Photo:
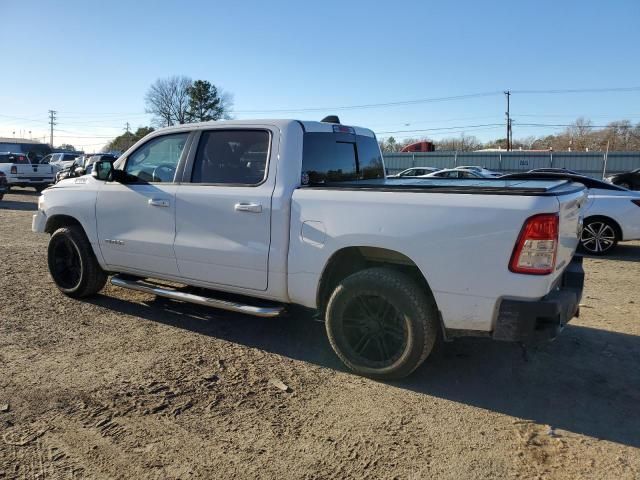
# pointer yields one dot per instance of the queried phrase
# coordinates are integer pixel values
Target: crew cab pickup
(253, 216)
(20, 172)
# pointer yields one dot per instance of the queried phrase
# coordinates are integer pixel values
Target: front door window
(157, 160)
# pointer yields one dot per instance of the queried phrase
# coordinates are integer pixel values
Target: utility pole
(128, 130)
(508, 95)
(52, 122)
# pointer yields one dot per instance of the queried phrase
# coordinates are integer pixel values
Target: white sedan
(612, 215)
(485, 172)
(458, 173)
(414, 172)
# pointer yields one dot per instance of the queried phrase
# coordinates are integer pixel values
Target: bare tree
(390, 145)
(579, 134)
(168, 100)
(463, 143)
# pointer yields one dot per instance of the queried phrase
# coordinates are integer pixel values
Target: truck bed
(488, 186)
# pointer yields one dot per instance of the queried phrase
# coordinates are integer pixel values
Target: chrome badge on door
(113, 242)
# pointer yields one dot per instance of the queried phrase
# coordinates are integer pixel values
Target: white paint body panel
(462, 243)
(27, 174)
(124, 214)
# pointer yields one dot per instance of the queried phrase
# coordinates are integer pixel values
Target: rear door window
(232, 157)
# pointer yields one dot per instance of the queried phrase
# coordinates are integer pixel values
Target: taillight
(14, 170)
(535, 250)
(637, 202)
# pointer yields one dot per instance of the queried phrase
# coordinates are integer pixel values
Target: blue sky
(93, 61)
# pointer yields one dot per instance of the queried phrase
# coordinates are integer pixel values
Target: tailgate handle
(248, 207)
(158, 202)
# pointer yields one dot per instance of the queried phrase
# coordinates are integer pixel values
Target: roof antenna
(331, 119)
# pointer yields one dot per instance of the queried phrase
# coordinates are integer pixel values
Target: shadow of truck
(587, 381)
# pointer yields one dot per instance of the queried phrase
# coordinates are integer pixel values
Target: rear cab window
(14, 158)
(334, 157)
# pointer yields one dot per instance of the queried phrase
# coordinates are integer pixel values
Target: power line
(577, 90)
(565, 125)
(102, 114)
(452, 132)
(444, 128)
(375, 105)
(623, 116)
(26, 119)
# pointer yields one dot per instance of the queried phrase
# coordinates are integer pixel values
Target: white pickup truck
(20, 172)
(252, 216)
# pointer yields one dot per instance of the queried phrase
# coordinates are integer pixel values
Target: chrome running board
(142, 286)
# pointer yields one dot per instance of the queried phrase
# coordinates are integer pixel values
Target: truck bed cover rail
(488, 186)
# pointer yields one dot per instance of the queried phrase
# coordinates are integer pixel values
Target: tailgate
(34, 171)
(570, 212)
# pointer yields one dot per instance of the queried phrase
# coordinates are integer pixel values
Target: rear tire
(381, 323)
(599, 236)
(72, 263)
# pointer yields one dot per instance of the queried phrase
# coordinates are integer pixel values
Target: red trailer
(423, 146)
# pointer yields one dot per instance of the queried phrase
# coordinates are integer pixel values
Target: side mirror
(79, 171)
(102, 170)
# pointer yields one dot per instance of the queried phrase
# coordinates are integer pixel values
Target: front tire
(599, 236)
(381, 323)
(72, 263)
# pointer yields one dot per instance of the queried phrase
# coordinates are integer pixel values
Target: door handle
(157, 202)
(248, 207)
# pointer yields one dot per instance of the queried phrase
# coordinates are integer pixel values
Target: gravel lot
(126, 385)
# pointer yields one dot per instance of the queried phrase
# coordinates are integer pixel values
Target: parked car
(60, 161)
(458, 173)
(414, 172)
(83, 165)
(20, 172)
(611, 214)
(4, 188)
(281, 212)
(629, 180)
(483, 171)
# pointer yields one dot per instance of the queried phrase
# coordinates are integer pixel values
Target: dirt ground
(126, 385)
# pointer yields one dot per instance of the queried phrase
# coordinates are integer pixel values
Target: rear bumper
(23, 182)
(539, 320)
